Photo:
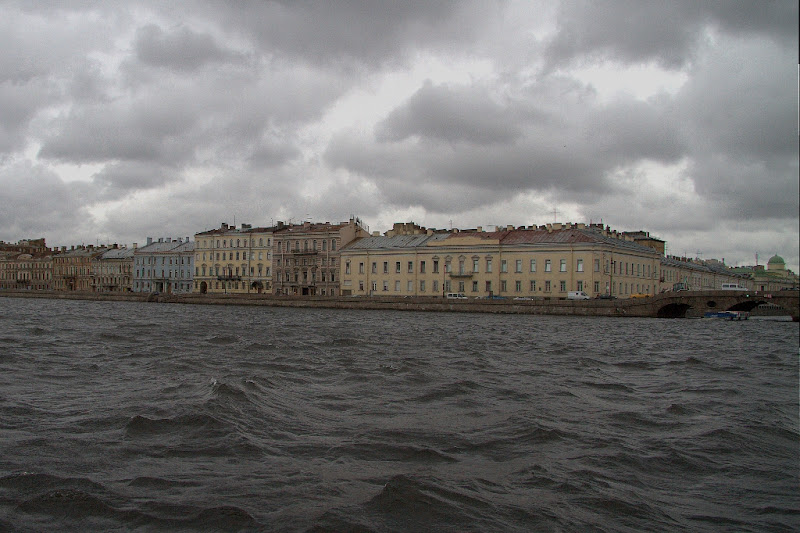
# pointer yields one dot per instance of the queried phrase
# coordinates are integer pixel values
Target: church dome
(776, 262)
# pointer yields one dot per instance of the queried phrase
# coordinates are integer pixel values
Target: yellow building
(534, 262)
(306, 256)
(233, 260)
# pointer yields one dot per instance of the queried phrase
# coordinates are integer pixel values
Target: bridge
(696, 303)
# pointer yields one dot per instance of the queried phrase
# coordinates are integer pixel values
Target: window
(397, 286)
(580, 266)
(533, 265)
(374, 267)
(422, 267)
(548, 266)
(563, 286)
(422, 285)
(361, 268)
(447, 266)
(461, 268)
(347, 267)
(518, 286)
(597, 265)
(460, 286)
(488, 264)
(397, 267)
(503, 265)
(435, 266)
(333, 244)
(503, 286)
(447, 286)
(474, 286)
(385, 285)
(580, 285)
(435, 286)
(488, 286)
(475, 264)
(386, 267)
(547, 286)
(410, 267)
(596, 286)
(361, 285)
(410, 287)
(533, 285)
(562, 266)
(518, 265)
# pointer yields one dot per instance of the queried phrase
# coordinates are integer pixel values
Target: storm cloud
(121, 121)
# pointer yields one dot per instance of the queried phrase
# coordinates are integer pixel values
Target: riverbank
(431, 304)
(668, 305)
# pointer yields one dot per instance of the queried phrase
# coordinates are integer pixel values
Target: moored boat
(728, 315)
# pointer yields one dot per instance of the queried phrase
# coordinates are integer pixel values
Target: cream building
(112, 271)
(233, 260)
(534, 262)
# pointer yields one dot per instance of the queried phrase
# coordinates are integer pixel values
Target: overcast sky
(122, 120)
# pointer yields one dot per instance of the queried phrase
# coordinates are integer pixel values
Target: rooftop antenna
(555, 215)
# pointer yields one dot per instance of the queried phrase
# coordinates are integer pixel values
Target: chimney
(135, 245)
(149, 240)
(479, 229)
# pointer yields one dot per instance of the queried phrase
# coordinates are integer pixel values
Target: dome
(776, 262)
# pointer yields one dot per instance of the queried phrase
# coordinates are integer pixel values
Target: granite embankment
(510, 306)
(668, 305)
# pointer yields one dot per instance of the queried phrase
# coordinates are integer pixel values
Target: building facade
(112, 270)
(307, 259)
(547, 261)
(233, 260)
(164, 266)
(72, 269)
(27, 264)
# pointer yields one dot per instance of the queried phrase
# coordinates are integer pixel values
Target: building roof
(776, 260)
(117, 253)
(379, 242)
(166, 247)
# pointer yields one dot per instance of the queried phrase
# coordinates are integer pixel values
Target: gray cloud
(36, 202)
(450, 114)
(352, 31)
(195, 112)
(666, 33)
(182, 49)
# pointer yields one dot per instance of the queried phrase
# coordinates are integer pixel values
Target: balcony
(461, 275)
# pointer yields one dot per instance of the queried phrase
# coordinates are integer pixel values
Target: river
(156, 417)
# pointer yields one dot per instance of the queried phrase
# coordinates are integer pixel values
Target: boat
(728, 315)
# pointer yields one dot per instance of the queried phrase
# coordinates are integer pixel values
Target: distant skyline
(123, 120)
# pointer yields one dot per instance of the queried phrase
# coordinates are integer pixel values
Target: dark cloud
(181, 49)
(357, 31)
(666, 33)
(740, 121)
(118, 180)
(194, 112)
(573, 144)
(452, 114)
(36, 202)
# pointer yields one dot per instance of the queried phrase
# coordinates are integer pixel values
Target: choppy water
(153, 417)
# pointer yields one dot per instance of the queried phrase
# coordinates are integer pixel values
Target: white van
(732, 287)
(456, 296)
(577, 295)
